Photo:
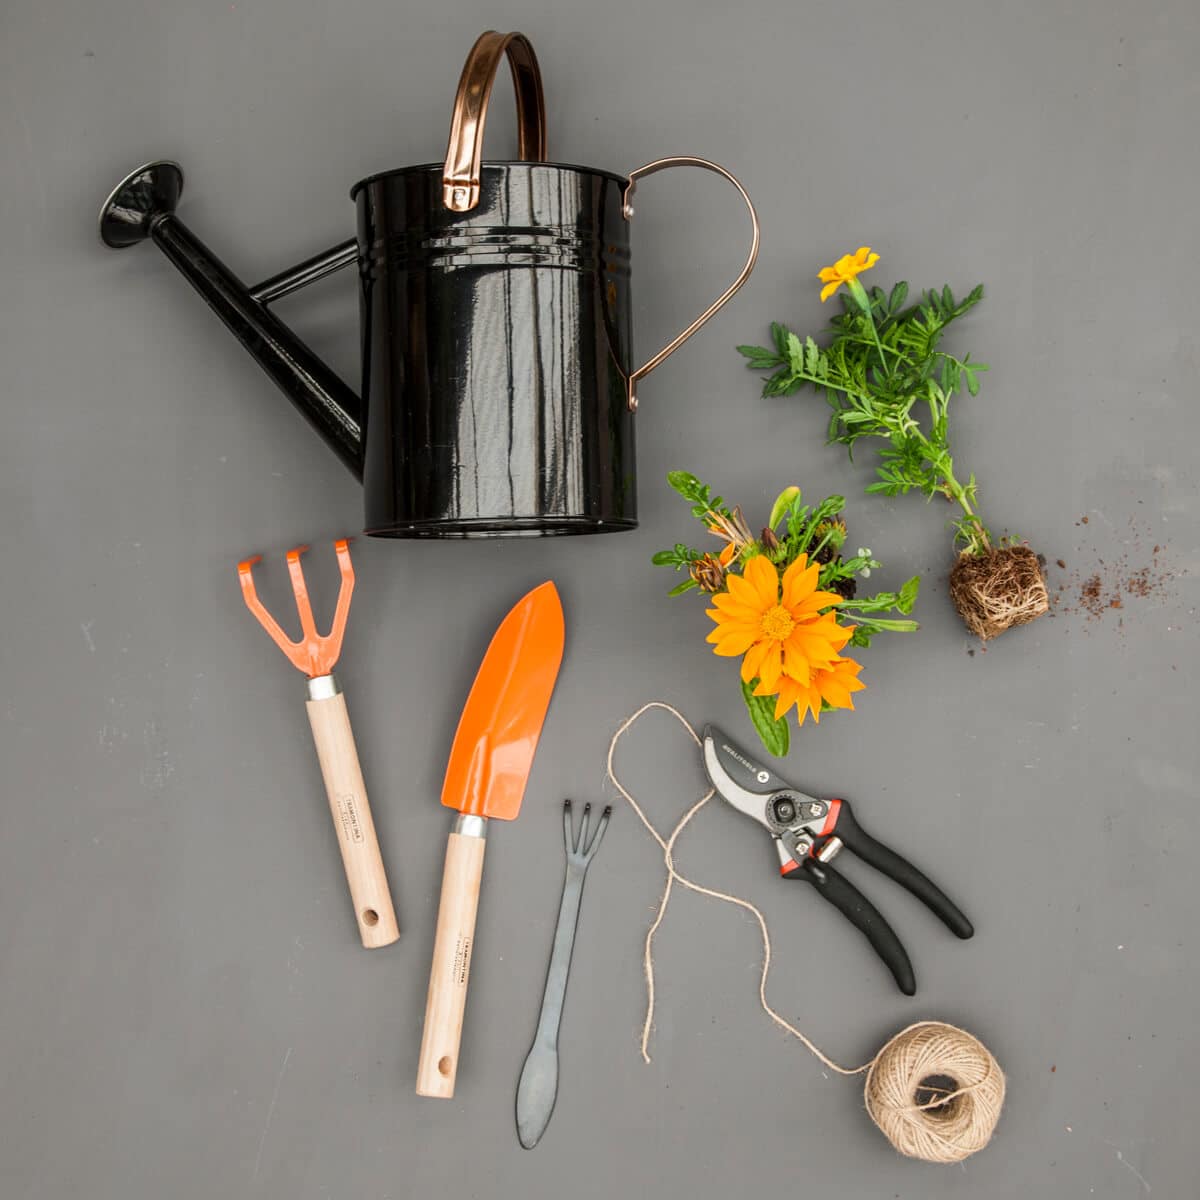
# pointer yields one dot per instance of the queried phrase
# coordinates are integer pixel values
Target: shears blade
(742, 781)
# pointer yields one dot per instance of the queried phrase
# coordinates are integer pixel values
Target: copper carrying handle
(650, 169)
(460, 177)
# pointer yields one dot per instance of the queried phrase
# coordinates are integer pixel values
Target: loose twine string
(952, 1123)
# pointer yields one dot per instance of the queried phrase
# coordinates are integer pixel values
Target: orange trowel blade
(502, 719)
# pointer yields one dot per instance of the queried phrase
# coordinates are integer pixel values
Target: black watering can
(498, 380)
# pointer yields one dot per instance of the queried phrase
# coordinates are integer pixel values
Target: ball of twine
(936, 1092)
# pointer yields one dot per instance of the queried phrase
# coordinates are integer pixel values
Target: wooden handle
(451, 968)
(352, 819)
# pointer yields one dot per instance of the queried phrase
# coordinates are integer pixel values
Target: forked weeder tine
(581, 841)
(342, 612)
(568, 828)
(594, 844)
(308, 625)
(258, 609)
(246, 579)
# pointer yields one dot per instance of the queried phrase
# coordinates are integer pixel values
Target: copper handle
(650, 169)
(460, 176)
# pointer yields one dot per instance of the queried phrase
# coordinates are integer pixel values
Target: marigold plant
(886, 378)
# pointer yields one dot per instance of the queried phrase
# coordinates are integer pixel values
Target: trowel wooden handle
(352, 818)
(448, 977)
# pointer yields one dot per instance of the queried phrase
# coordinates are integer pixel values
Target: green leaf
(908, 595)
(781, 385)
(898, 296)
(795, 353)
(680, 588)
(773, 734)
(813, 363)
(888, 624)
(759, 358)
(686, 484)
(664, 558)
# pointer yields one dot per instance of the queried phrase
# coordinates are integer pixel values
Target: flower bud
(782, 503)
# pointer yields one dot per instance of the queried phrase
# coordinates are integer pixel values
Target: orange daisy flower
(832, 684)
(777, 624)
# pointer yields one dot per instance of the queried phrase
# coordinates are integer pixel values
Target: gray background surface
(184, 1009)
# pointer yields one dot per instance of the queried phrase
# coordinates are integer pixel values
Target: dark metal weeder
(538, 1085)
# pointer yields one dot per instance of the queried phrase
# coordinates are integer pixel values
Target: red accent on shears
(831, 820)
(789, 868)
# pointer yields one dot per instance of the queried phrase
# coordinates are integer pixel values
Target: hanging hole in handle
(370, 917)
(652, 168)
(445, 1064)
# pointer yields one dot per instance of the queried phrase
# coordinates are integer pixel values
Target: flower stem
(864, 302)
(972, 528)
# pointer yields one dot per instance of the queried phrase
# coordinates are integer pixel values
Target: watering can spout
(142, 206)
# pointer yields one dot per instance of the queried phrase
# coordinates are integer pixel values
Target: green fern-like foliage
(885, 376)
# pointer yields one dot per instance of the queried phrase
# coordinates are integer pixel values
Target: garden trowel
(485, 778)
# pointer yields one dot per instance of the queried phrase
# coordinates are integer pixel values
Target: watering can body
(496, 348)
(498, 380)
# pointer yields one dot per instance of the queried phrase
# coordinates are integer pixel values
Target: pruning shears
(809, 833)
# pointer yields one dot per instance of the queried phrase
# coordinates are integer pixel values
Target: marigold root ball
(1000, 589)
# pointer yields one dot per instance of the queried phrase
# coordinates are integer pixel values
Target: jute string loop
(934, 1090)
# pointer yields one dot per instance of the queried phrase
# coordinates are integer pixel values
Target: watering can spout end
(152, 191)
(142, 208)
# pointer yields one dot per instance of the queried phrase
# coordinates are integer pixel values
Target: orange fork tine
(313, 654)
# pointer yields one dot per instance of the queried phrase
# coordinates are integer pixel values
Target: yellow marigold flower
(777, 625)
(846, 269)
(832, 684)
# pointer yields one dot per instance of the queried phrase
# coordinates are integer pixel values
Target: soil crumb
(1102, 590)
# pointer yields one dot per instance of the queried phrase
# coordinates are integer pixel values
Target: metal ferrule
(466, 825)
(324, 687)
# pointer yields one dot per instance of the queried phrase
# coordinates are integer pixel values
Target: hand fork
(316, 655)
(538, 1085)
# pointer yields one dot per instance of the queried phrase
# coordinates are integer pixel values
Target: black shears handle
(847, 899)
(833, 886)
(885, 860)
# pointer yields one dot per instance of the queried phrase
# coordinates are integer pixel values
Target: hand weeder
(537, 1088)
(315, 656)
